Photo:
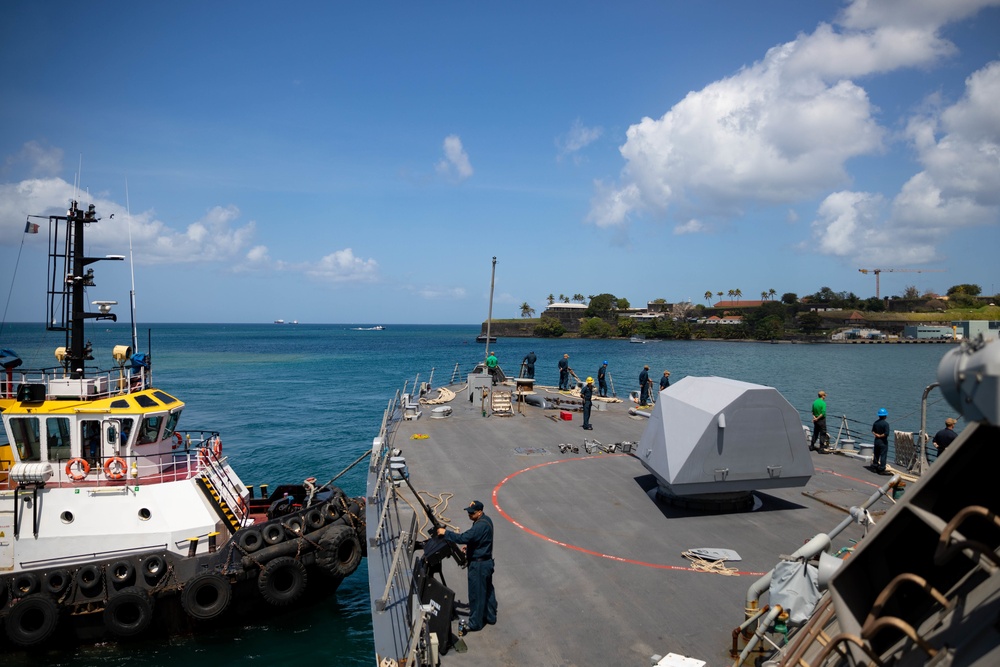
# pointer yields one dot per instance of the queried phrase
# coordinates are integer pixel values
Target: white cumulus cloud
(343, 266)
(456, 163)
(782, 129)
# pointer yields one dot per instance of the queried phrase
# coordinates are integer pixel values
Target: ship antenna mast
(131, 265)
(489, 317)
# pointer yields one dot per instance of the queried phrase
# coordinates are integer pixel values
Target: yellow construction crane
(878, 271)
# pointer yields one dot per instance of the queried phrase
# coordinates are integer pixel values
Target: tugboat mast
(68, 281)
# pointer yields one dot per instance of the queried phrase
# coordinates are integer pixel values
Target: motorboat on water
(114, 520)
(377, 327)
(703, 532)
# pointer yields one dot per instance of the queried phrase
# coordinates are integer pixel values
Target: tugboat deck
(589, 562)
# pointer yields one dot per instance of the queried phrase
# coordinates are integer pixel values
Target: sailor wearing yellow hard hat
(588, 400)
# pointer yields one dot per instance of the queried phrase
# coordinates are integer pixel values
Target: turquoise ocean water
(294, 401)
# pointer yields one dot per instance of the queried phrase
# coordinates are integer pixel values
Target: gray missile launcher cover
(711, 435)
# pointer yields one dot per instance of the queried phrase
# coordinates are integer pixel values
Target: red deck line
(589, 552)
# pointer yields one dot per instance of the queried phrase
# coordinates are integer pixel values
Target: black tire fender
(129, 612)
(56, 581)
(293, 524)
(122, 572)
(25, 584)
(339, 552)
(89, 579)
(206, 596)
(32, 620)
(273, 533)
(282, 581)
(153, 567)
(314, 520)
(249, 539)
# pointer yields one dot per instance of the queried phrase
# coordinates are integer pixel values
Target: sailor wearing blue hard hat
(880, 429)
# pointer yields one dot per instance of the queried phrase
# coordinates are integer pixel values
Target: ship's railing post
(395, 570)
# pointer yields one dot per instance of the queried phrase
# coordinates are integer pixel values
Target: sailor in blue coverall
(479, 552)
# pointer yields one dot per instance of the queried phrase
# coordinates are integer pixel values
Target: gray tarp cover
(794, 587)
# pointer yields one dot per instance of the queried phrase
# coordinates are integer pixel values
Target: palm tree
(526, 310)
(551, 299)
(564, 298)
(763, 295)
(731, 294)
(708, 297)
(720, 295)
(737, 293)
(579, 298)
(771, 293)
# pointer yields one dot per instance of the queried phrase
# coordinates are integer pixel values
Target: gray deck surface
(589, 568)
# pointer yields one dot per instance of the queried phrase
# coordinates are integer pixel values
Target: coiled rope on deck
(700, 564)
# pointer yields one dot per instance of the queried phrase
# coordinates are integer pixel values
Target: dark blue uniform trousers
(482, 597)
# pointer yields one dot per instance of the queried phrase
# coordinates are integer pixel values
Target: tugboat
(113, 521)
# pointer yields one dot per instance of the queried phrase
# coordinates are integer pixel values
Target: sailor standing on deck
(880, 429)
(819, 423)
(564, 370)
(644, 383)
(587, 393)
(491, 366)
(602, 380)
(529, 365)
(479, 552)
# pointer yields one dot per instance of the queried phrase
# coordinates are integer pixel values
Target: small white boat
(637, 339)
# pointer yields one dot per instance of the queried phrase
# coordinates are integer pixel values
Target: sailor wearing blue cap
(479, 552)
(880, 429)
(602, 380)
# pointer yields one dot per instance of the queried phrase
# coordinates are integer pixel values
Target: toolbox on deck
(565, 415)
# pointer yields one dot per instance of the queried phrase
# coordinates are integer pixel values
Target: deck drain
(530, 451)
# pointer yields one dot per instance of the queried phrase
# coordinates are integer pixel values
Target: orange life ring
(203, 455)
(180, 440)
(84, 469)
(242, 505)
(120, 472)
(217, 446)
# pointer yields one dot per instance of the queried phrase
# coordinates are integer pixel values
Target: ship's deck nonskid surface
(589, 565)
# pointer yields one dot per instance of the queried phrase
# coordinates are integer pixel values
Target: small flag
(30, 228)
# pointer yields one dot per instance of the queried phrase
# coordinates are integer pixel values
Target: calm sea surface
(294, 401)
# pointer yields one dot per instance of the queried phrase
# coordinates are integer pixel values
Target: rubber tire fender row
(282, 581)
(154, 567)
(129, 612)
(122, 572)
(249, 539)
(339, 552)
(57, 581)
(294, 525)
(314, 520)
(206, 596)
(24, 584)
(32, 620)
(89, 579)
(273, 533)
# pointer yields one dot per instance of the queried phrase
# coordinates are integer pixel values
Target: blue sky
(362, 162)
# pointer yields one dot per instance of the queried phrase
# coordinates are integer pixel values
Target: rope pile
(444, 396)
(700, 564)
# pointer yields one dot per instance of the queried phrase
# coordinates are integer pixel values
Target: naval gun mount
(712, 441)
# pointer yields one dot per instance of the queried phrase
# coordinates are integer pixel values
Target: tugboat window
(27, 438)
(58, 438)
(168, 432)
(150, 430)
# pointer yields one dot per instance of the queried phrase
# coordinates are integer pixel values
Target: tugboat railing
(95, 385)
